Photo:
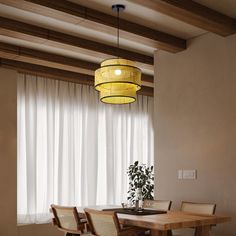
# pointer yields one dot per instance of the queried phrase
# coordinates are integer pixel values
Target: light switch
(189, 174)
(180, 174)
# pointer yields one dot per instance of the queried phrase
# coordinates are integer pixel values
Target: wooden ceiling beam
(18, 52)
(47, 71)
(164, 41)
(32, 53)
(55, 36)
(58, 74)
(193, 13)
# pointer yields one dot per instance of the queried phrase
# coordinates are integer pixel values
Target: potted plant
(141, 181)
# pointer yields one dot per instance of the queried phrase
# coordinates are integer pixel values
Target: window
(74, 150)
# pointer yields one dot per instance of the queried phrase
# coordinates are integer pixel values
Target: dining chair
(106, 223)
(68, 220)
(163, 205)
(197, 208)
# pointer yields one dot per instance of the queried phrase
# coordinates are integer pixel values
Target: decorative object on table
(133, 211)
(141, 182)
(138, 199)
(118, 79)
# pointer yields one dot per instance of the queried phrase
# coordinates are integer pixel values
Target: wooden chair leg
(169, 233)
(68, 234)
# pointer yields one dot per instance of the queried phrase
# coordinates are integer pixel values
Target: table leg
(155, 232)
(203, 230)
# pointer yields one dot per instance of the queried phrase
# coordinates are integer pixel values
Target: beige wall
(195, 118)
(8, 153)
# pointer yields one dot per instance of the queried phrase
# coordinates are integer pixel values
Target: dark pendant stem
(118, 28)
(118, 8)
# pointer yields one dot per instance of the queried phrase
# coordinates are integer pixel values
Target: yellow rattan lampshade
(118, 80)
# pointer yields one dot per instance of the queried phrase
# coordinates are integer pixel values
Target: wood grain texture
(164, 41)
(203, 231)
(193, 13)
(59, 74)
(172, 220)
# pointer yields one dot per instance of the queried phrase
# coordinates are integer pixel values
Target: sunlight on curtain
(73, 149)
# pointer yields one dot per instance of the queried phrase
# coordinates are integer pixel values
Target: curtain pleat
(73, 149)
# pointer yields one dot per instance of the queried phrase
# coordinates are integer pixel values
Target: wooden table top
(170, 220)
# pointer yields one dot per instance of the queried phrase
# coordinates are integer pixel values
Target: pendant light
(118, 79)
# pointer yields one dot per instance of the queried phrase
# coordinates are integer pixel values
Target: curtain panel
(73, 149)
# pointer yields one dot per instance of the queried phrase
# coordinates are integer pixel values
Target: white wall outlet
(180, 174)
(189, 174)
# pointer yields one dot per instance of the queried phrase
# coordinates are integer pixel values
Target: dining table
(160, 224)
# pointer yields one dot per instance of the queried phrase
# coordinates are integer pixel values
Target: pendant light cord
(118, 28)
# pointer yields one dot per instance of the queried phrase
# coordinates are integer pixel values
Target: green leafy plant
(140, 176)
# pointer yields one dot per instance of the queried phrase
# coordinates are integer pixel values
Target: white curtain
(74, 150)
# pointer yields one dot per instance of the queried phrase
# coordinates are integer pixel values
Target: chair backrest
(66, 218)
(200, 208)
(163, 205)
(102, 223)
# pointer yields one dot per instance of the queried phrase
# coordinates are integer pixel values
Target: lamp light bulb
(118, 72)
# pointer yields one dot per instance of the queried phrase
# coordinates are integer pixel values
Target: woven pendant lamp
(118, 79)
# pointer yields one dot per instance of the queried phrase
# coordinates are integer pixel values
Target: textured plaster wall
(195, 124)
